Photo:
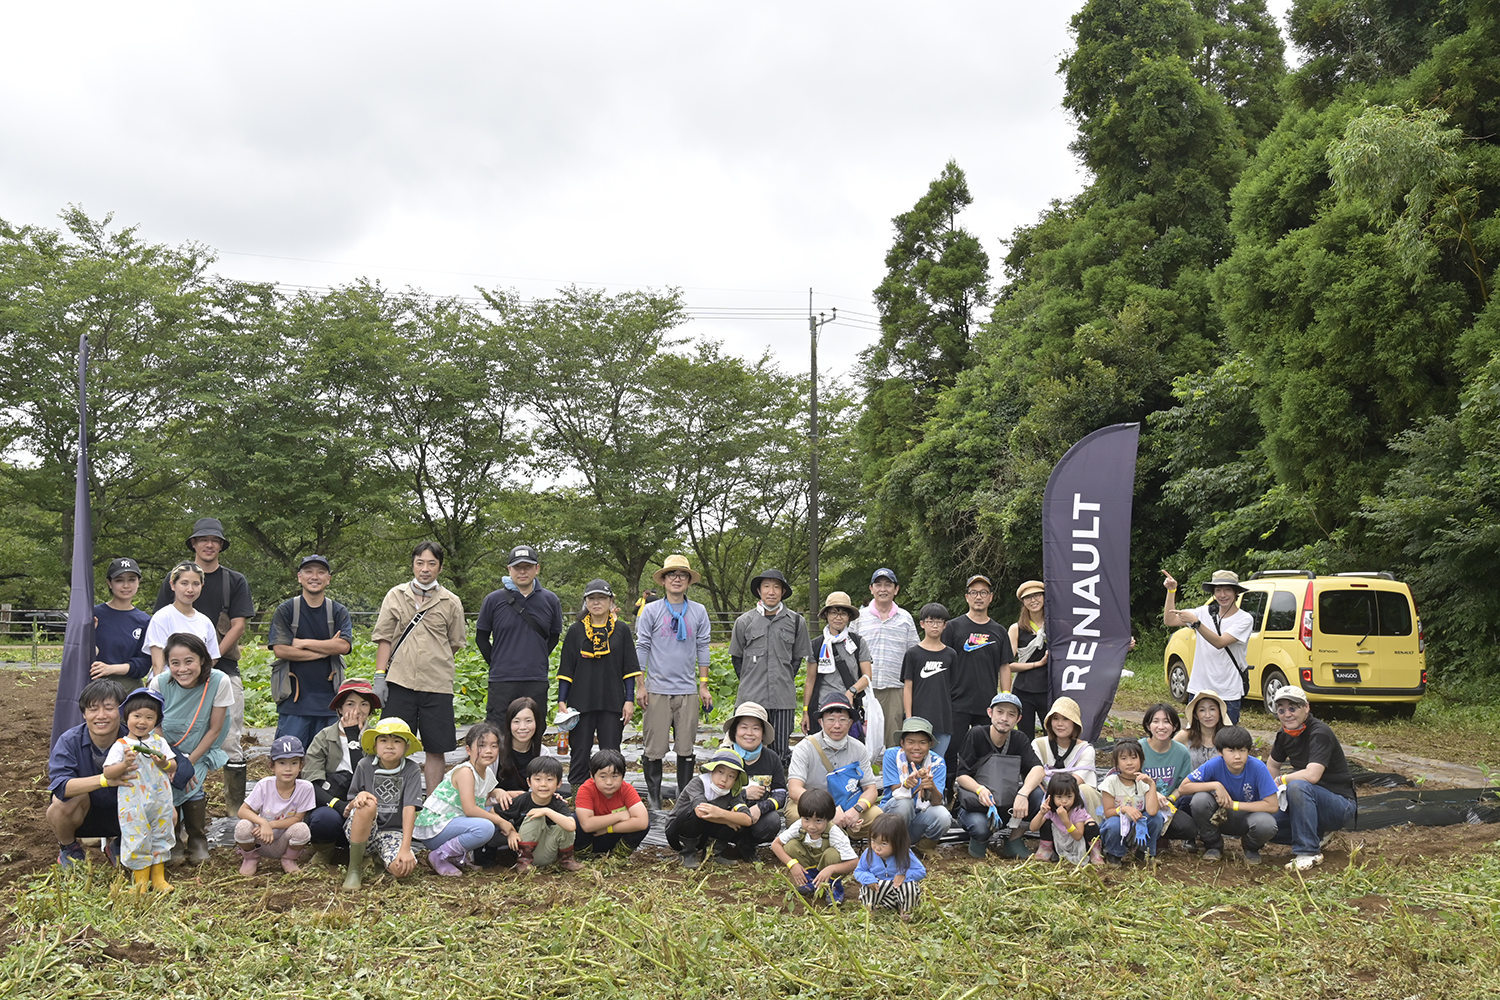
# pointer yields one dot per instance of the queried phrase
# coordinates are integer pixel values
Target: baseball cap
(886, 572)
(1290, 693)
(835, 701)
(523, 554)
(314, 559)
(979, 576)
(598, 587)
(1006, 698)
(122, 566)
(286, 747)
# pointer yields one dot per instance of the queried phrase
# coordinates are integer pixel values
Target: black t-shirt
(522, 804)
(930, 673)
(1316, 745)
(1035, 680)
(512, 777)
(980, 651)
(767, 766)
(977, 746)
(597, 683)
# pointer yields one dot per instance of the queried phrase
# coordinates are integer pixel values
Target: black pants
(327, 826)
(962, 723)
(502, 693)
(1033, 710)
(602, 843)
(606, 727)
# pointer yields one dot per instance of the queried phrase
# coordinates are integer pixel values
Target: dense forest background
(1284, 273)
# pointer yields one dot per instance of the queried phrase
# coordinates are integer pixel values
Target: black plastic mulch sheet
(1435, 807)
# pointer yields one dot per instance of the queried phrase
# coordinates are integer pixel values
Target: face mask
(424, 587)
(748, 756)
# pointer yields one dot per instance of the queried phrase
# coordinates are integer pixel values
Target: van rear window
(1369, 612)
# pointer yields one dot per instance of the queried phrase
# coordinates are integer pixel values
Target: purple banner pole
(78, 641)
(1086, 569)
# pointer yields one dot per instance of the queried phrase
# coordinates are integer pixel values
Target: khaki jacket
(425, 660)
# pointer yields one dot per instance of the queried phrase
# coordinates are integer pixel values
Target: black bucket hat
(208, 527)
(771, 574)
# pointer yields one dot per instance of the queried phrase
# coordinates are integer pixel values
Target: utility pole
(813, 323)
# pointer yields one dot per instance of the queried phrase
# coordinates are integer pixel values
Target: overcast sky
(741, 152)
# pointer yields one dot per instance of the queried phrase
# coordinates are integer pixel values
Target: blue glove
(1140, 833)
(995, 822)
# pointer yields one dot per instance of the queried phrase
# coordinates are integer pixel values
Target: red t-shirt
(588, 797)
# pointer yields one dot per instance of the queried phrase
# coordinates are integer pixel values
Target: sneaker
(1323, 841)
(1213, 854)
(1113, 860)
(111, 848)
(70, 855)
(1302, 862)
(1252, 856)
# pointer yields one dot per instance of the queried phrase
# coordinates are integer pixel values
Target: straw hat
(838, 599)
(1068, 709)
(672, 564)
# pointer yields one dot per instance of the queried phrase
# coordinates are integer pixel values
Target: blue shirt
(890, 772)
(872, 868)
(118, 638)
(1252, 784)
(515, 650)
(75, 756)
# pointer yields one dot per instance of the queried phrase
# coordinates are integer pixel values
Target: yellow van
(1350, 637)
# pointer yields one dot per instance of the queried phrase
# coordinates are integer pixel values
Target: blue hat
(286, 747)
(886, 572)
(1006, 698)
(157, 701)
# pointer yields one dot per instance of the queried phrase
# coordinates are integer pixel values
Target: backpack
(283, 681)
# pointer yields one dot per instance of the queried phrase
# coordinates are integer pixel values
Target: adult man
(977, 775)
(981, 646)
(1223, 634)
(767, 646)
(419, 628)
(888, 632)
(832, 751)
(119, 626)
(225, 599)
(83, 802)
(1307, 758)
(309, 632)
(518, 628)
(671, 643)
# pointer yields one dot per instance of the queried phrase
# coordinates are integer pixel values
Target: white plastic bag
(874, 727)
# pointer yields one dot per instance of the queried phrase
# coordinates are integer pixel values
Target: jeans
(471, 831)
(304, 727)
(1311, 811)
(931, 822)
(1117, 844)
(1255, 829)
(977, 824)
(940, 746)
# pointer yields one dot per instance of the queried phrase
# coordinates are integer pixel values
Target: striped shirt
(886, 642)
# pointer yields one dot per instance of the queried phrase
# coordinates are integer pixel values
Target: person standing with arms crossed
(419, 629)
(225, 599)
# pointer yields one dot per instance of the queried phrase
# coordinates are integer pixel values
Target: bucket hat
(208, 527)
(390, 726)
(750, 710)
(728, 758)
(354, 686)
(1068, 709)
(838, 599)
(674, 564)
(1224, 578)
(771, 574)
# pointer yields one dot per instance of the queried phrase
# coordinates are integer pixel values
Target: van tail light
(1424, 678)
(1306, 675)
(1305, 634)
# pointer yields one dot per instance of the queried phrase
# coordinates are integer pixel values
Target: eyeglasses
(1287, 709)
(978, 593)
(679, 575)
(1032, 597)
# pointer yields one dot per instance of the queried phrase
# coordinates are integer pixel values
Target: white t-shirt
(223, 696)
(836, 837)
(169, 620)
(1213, 668)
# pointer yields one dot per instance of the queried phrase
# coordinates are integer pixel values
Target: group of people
(957, 709)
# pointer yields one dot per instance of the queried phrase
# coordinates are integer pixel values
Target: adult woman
(1027, 677)
(840, 661)
(746, 732)
(197, 700)
(1206, 715)
(596, 675)
(522, 745)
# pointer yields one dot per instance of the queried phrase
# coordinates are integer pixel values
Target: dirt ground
(26, 845)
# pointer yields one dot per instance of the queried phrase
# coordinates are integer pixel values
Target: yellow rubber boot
(142, 879)
(159, 878)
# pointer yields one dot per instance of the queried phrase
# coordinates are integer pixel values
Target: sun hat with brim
(208, 527)
(1028, 588)
(355, 686)
(1192, 708)
(917, 724)
(838, 600)
(567, 719)
(1290, 693)
(676, 564)
(1224, 578)
(750, 710)
(771, 574)
(1068, 709)
(728, 758)
(389, 726)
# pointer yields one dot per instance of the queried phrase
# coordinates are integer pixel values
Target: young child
(815, 851)
(1131, 807)
(1068, 831)
(608, 811)
(914, 775)
(712, 807)
(544, 828)
(384, 796)
(1206, 714)
(889, 874)
(271, 817)
(456, 819)
(1234, 795)
(145, 804)
(186, 580)
(925, 670)
(196, 700)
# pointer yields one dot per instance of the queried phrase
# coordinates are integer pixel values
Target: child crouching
(543, 827)
(271, 817)
(384, 796)
(816, 852)
(888, 873)
(1068, 832)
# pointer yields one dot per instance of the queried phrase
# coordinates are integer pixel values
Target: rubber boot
(289, 860)
(1044, 851)
(686, 766)
(527, 860)
(159, 878)
(653, 783)
(142, 880)
(356, 865)
(179, 838)
(249, 859)
(195, 818)
(445, 857)
(322, 855)
(688, 854)
(234, 786)
(1096, 853)
(724, 854)
(566, 861)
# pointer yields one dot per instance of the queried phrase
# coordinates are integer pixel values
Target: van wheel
(1177, 680)
(1270, 682)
